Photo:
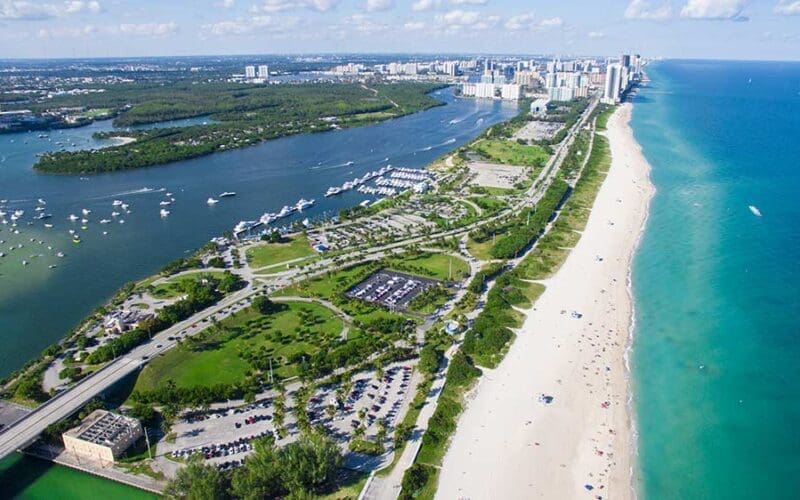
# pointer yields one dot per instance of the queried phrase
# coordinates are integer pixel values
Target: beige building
(102, 436)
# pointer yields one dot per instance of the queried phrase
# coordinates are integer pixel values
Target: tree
(414, 480)
(264, 305)
(309, 464)
(197, 481)
(429, 359)
(261, 475)
(144, 412)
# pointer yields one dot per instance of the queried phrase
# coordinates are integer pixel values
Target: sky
(729, 29)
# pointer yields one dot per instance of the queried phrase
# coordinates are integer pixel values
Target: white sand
(120, 140)
(509, 444)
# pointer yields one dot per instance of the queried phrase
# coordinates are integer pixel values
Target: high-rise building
(612, 84)
(250, 71)
(263, 72)
(625, 60)
(510, 91)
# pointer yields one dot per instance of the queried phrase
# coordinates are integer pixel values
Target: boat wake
(331, 167)
(132, 192)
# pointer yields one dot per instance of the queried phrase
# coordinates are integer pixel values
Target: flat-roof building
(102, 436)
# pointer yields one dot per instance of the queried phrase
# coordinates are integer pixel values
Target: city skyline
(725, 29)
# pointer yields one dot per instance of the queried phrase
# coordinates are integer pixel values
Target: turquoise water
(32, 479)
(716, 355)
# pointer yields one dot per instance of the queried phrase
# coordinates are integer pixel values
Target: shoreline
(511, 444)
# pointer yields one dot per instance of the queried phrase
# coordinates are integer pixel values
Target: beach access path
(512, 441)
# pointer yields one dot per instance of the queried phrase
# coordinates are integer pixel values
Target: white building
(511, 92)
(102, 437)
(485, 90)
(539, 107)
(561, 93)
(250, 71)
(263, 72)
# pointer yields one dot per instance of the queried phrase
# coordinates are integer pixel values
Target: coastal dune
(553, 419)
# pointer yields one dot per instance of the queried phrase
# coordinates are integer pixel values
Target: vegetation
(511, 153)
(242, 115)
(197, 481)
(439, 266)
(267, 254)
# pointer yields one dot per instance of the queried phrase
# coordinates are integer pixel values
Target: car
(145, 356)
(158, 346)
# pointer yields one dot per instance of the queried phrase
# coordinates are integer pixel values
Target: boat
(306, 222)
(333, 191)
(60, 255)
(165, 203)
(122, 221)
(114, 214)
(124, 206)
(43, 216)
(117, 203)
(51, 266)
(302, 204)
(24, 262)
(286, 210)
(84, 221)
(212, 201)
(76, 240)
(104, 221)
(164, 213)
(73, 217)
(71, 231)
(755, 210)
(86, 211)
(168, 194)
(41, 202)
(364, 203)
(227, 194)
(48, 226)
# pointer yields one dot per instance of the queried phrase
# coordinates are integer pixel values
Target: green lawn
(218, 358)
(174, 286)
(431, 265)
(481, 251)
(512, 153)
(267, 254)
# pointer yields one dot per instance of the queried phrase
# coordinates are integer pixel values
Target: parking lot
(390, 289)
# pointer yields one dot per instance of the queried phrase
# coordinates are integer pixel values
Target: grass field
(217, 358)
(481, 251)
(174, 287)
(267, 254)
(431, 265)
(512, 153)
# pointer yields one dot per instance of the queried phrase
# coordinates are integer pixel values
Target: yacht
(164, 213)
(114, 214)
(364, 203)
(302, 204)
(227, 194)
(73, 217)
(48, 226)
(117, 203)
(43, 216)
(165, 203)
(24, 262)
(60, 255)
(105, 221)
(286, 210)
(41, 202)
(333, 191)
(212, 201)
(755, 210)
(84, 221)
(86, 211)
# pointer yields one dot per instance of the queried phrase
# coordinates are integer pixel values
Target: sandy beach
(512, 443)
(120, 140)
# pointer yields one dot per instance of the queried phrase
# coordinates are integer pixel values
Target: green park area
(439, 266)
(176, 285)
(511, 153)
(226, 352)
(269, 254)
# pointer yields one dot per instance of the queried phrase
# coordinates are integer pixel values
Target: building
(124, 320)
(250, 71)
(612, 84)
(511, 92)
(102, 436)
(539, 107)
(263, 72)
(485, 90)
(561, 93)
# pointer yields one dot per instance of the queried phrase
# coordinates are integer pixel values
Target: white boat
(124, 206)
(24, 262)
(48, 226)
(73, 217)
(71, 231)
(168, 194)
(86, 211)
(117, 203)
(755, 210)
(114, 214)
(227, 194)
(84, 221)
(333, 191)
(302, 204)
(212, 201)
(165, 203)
(60, 255)
(105, 221)
(42, 202)
(286, 210)
(306, 222)
(51, 266)
(122, 221)
(364, 203)
(164, 213)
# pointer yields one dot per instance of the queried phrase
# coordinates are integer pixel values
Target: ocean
(716, 353)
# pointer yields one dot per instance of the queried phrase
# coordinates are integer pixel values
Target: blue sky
(736, 29)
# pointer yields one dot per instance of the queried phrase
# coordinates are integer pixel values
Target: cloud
(21, 10)
(227, 4)
(64, 32)
(148, 29)
(414, 26)
(251, 25)
(272, 6)
(378, 5)
(527, 22)
(788, 8)
(363, 24)
(456, 20)
(724, 10)
(640, 9)
(596, 34)
(469, 2)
